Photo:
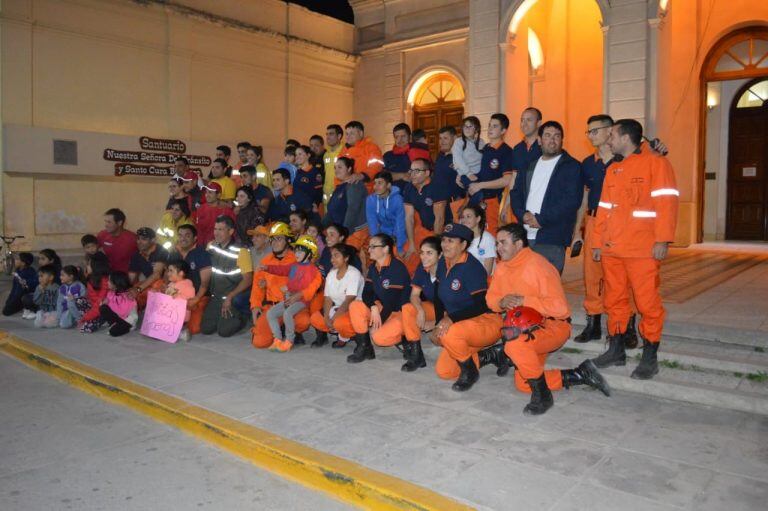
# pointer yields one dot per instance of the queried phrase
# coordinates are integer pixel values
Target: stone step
(698, 331)
(730, 391)
(696, 354)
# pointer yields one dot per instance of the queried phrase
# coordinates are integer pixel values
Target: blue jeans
(555, 254)
(242, 303)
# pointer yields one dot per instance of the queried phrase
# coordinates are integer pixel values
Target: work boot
(630, 335)
(321, 339)
(592, 331)
(363, 349)
(495, 355)
(648, 365)
(614, 355)
(469, 375)
(414, 357)
(541, 397)
(298, 339)
(585, 374)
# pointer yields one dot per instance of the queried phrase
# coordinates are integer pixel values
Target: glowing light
(520, 14)
(663, 5)
(713, 95)
(416, 87)
(535, 52)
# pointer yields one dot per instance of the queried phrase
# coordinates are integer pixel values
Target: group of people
(380, 249)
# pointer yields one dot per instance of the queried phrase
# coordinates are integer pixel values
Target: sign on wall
(146, 163)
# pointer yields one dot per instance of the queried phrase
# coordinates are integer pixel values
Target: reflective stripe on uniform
(225, 253)
(222, 272)
(644, 214)
(606, 205)
(665, 191)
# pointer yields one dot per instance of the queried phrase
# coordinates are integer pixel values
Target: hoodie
(387, 215)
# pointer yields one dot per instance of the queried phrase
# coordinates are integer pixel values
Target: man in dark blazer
(547, 195)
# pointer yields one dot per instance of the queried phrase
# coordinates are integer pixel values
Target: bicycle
(6, 254)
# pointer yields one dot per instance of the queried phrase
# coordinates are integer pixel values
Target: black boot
(630, 336)
(648, 365)
(321, 339)
(414, 357)
(541, 397)
(586, 374)
(495, 355)
(593, 330)
(469, 375)
(298, 339)
(363, 349)
(614, 355)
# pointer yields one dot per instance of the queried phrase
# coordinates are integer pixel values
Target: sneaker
(284, 346)
(27, 314)
(276, 343)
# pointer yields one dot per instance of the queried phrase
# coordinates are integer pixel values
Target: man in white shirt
(547, 196)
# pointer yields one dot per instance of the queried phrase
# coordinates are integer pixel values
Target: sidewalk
(628, 451)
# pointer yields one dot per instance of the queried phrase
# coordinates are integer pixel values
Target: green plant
(760, 376)
(759, 349)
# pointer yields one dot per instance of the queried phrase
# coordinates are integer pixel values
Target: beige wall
(118, 67)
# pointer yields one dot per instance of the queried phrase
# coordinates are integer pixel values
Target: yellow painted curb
(336, 476)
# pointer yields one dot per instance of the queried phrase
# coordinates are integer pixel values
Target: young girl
(70, 290)
(467, 151)
(119, 308)
(24, 282)
(179, 286)
(45, 298)
(49, 256)
(303, 282)
(86, 309)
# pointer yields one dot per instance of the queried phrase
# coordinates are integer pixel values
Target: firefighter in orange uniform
(524, 283)
(364, 151)
(267, 289)
(635, 223)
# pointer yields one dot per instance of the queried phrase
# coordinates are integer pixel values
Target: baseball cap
(459, 231)
(146, 233)
(213, 187)
(189, 176)
(259, 229)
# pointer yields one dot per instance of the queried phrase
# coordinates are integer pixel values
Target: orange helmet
(520, 320)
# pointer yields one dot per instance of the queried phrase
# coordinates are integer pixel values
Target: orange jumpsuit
(368, 159)
(530, 275)
(271, 294)
(638, 207)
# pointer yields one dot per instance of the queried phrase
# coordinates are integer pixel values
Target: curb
(340, 478)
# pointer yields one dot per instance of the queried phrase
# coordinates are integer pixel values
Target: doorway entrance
(439, 102)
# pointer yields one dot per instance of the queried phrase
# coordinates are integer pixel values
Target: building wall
(204, 72)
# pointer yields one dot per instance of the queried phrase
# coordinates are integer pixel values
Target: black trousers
(118, 326)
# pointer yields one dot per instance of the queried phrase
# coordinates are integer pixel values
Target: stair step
(693, 354)
(728, 391)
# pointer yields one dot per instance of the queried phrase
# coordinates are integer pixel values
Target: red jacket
(95, 297)
(205, 218)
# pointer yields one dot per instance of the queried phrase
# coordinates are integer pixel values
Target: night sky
(338, 9)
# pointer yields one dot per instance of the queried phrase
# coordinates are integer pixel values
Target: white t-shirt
(350, 284)
(542, 173)
(483, 247)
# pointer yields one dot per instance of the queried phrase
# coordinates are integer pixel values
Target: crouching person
(231, 272)
(527, 288)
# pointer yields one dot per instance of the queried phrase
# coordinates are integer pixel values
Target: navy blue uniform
(524, 155)
(261, 192)
(593, 174)
(496, 162)
(310, 183)
(423, 280)
(390, 286)
(283, 205)
(445, 175)
(461, 290)
(397, 163)
(336, 209)
(145, 266)
(198, 259)
(423, 202)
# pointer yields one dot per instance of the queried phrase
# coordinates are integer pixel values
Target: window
(755, 96)
(439, 89)
(742, 55)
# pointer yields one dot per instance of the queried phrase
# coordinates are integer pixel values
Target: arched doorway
(438, 100)
(735, 189)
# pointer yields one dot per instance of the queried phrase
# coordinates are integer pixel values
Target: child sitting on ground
(70, 290)
(45, 297)
(24, 281)
(179, 286)
(304, 280)
(119, 308)
(87, 307)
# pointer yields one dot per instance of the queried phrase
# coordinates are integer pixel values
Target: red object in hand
(520, 320)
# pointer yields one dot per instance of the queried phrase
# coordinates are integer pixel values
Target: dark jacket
(561, 200)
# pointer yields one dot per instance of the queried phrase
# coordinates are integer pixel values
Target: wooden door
(433, 117)
(747, 210)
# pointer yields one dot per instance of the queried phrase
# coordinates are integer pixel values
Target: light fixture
(519, 15)
(713, 95)
(535, 52)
